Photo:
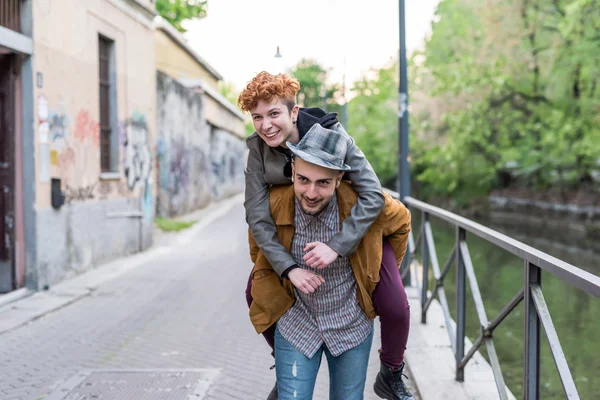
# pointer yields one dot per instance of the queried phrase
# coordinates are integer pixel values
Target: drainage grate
(163, 384)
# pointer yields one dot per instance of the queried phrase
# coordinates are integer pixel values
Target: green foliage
(171, 225)
(314, 89)
(515, 85)
(248, 127)
(373, 121)
(504, 93)
(177, 11)
(229, 91)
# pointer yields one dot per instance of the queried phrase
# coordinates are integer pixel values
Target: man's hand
(319, 256)
(306, 281)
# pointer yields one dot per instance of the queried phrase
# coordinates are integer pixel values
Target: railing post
(531, 373)
(461, 236)
(425, 281)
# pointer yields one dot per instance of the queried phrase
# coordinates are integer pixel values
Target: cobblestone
(183, 309)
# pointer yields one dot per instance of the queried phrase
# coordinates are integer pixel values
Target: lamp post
(278, 62)
(403, 183)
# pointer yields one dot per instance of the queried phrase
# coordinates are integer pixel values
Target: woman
(271, 102)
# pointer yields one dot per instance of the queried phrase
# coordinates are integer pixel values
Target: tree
(229, 91)
(373, 120)
(314, 89)
(517, 88)
(177, 11)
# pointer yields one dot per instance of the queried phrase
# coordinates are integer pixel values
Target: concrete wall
(219, 116)
(183, 161)
(105, 215)
(196, 162)
(228, 159)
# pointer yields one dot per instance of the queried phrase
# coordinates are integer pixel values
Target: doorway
(7, 171)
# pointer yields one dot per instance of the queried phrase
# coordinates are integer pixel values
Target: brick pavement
(183, 309)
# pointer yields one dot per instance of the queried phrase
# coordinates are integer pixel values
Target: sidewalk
(23, 306)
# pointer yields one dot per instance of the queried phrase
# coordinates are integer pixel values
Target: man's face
(274, 122)
(314, 185)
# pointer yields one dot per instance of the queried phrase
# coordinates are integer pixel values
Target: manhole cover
(164, 384)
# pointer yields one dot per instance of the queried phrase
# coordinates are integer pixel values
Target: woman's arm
(370, 201)
(258, 213)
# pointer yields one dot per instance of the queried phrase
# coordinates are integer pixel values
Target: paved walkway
(180, 305)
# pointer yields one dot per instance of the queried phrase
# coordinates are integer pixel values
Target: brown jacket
(272, 296)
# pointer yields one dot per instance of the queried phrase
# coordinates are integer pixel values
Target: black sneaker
(389, 385)
(273, 394)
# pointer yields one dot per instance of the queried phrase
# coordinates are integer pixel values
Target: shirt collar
(327, 216)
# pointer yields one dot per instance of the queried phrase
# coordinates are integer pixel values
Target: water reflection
(500, 276)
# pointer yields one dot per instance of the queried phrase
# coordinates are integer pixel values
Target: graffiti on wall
(173, 165)
(179, 171)
(86, 129)
(58, 125)
(182, 175)
(136, 153)
(77, 157)
(79, 193)
(227, 163)
(69, 149)
(137, 160)
(200, 168)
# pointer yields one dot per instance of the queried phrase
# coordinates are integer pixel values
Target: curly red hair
(268, 87)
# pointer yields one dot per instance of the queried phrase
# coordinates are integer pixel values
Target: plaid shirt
(331, 315)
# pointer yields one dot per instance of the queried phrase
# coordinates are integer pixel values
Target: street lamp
(278, 64)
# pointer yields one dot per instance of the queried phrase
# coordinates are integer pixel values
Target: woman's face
(274, 123)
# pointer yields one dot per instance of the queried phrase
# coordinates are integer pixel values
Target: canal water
(575, 314)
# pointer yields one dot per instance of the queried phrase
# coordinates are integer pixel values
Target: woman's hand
(320, 255)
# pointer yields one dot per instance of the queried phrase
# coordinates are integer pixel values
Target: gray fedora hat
(324, 147)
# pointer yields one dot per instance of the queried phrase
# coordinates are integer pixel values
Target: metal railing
(536, 310)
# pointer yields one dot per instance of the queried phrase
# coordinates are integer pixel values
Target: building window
(10, 14)
(108, 107)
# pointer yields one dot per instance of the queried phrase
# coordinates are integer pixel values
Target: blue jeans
(297, 374)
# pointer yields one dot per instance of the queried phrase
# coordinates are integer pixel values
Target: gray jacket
(265, 167)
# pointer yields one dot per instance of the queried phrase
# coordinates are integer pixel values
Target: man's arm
(258, 215)
(395, 221)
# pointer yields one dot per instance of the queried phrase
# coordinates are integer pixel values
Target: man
(327, 310)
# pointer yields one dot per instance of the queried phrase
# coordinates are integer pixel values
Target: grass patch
(170, 225)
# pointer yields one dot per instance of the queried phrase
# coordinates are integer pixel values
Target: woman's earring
(294, 122)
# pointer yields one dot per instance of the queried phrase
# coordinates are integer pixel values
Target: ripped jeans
(297, 374)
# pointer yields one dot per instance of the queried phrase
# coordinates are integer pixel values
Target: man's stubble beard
(324, 205)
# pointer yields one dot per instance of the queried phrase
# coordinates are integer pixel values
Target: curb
(15, 295)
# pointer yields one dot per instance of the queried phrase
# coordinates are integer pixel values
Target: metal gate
(7, 174)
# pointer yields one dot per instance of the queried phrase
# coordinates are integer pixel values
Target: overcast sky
(239, 37)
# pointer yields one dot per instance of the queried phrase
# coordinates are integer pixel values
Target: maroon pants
(391, 304)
